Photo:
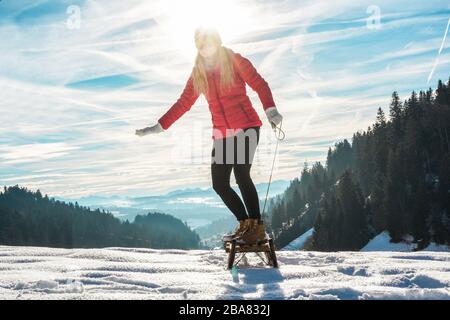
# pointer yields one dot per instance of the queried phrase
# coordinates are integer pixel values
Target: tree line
(394, 176)
(29, 219)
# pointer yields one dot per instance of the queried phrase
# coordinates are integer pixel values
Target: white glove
(157, 128)
(273, 116)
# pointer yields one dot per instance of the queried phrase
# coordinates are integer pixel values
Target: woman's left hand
(274, 116)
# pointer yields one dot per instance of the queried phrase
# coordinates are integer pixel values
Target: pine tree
(277, 218)
(324, 229)
(395, 114)
(441, 94)
(354, 225)
(395, 109)
(377, 198)
(395, 199)
(420, 212)
(381, 120)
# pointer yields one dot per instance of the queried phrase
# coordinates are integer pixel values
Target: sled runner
(265, 246)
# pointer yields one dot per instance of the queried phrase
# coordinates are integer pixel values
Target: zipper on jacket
(218, 100)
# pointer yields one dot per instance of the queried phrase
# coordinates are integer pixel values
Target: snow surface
(298, 243)
(124, 273)
(382, 243)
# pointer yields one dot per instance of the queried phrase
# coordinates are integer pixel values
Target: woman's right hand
(157, 128)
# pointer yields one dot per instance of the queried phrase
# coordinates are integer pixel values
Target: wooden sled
(264, 246)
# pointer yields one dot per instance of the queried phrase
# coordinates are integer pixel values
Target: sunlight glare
(181, 18)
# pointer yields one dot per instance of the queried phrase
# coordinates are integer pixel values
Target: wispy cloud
(72, 98)
(439, 53)
(36, 152)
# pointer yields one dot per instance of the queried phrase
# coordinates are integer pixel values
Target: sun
(180, 18)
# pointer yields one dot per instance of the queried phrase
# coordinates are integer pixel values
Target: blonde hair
(225, 62)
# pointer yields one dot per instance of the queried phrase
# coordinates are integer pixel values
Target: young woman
(221, 75)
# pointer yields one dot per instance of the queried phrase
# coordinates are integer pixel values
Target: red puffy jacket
(231, 109)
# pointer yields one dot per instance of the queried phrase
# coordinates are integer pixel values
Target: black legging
(244, 142)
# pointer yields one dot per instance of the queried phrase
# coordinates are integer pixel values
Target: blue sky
(78, 77)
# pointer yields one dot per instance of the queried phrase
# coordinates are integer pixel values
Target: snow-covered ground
(119, 273)
(382, 242)
(298, 243)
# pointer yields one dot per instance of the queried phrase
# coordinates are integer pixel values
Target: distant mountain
(196, 206)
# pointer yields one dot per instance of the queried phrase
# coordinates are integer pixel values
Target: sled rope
(273, 162)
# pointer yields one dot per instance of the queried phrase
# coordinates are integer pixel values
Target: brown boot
(237, 232)
(254, 233)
